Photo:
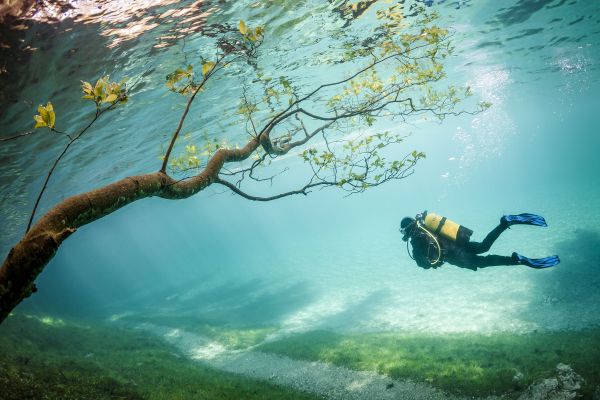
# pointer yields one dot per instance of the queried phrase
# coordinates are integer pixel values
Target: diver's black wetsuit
(462, 255)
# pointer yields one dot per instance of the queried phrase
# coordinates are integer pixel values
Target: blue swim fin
(527, 219)
(538, 263)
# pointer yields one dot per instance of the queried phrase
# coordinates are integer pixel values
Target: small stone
(389, 386)
(518, 376)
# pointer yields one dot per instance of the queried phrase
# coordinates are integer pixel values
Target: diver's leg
(478, 248)
(474, 262)
(493, 260)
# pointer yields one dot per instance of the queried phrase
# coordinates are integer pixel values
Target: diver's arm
(423, 262)
(419, 245)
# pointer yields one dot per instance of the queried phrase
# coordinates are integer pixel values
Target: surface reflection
(120, 20)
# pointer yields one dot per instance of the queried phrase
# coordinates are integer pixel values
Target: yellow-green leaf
(207, 67)
(39, 122)
(99, 87)
(87, 87)
(110, 98)
(46, 116)
(51, 115)
(243, 29)
(43, 112)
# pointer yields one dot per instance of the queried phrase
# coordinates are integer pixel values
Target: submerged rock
(596, 393)
(563, 387)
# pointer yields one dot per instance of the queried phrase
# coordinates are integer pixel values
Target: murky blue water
(326, 260)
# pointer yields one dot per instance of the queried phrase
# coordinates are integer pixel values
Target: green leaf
(39, 122)
(51, 115)
(110, 98)
(43, 113)
(46, 116)
(99, 87)
(243, 29)
(286, 84)
(86, 87)
(207, 67)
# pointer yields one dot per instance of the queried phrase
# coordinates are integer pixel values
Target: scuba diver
(436, 239)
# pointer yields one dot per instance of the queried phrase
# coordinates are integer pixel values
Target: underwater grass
(466, 364)
(232, 337)
(48, 358)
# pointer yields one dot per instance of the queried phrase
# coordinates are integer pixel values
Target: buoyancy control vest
(439, 225)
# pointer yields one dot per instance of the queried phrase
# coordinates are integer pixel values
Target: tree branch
(231, 49)
(303, 190)
(286, 147)
(163, 167)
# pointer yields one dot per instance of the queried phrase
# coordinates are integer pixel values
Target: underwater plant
(395, 72)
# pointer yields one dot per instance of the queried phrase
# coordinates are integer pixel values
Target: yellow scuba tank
(449, 229)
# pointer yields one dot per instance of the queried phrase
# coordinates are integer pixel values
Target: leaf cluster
(182, 81)
(357, 164)
(45, 116)
(105, 91)
(194, 155)
(251, 34)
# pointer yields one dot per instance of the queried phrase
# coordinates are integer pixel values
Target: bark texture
(28, 258)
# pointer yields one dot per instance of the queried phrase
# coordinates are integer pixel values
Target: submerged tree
(399, 77)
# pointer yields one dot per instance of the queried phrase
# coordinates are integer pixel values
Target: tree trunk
(28, 258)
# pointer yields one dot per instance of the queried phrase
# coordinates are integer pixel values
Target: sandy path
(329, 381)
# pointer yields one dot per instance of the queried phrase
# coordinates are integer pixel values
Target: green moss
(235, 338)
(468, 364)
(55, 359)
(232, 337)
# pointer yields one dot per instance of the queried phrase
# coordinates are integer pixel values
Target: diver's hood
(407, 231)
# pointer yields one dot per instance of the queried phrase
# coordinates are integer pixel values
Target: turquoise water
(324, 261)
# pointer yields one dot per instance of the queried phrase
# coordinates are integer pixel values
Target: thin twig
(6, 139)
(71, 141)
